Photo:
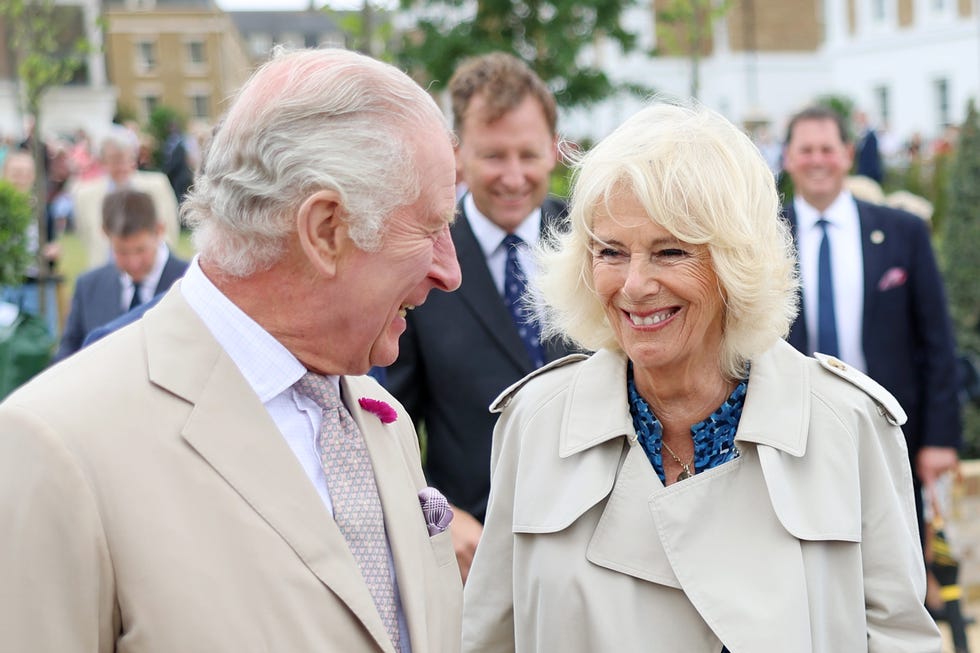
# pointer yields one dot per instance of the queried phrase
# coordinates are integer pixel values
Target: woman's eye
(608, 252)
(672, 252)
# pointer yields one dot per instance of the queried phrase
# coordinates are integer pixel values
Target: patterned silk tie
(826, 313)
(354, 494)
(515, 284)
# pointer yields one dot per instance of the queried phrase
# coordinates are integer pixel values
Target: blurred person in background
(117, 155)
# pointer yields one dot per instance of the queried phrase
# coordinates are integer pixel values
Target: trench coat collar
(776, 413)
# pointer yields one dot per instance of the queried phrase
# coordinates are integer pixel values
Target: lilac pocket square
(436, 510)
(892, 278)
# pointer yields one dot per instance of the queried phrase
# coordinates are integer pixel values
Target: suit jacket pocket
(442, 547)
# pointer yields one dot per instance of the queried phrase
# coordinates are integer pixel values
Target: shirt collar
(490, 236)
(268, 367)
(839, 211)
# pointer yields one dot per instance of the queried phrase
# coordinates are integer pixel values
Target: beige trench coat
(806, 543)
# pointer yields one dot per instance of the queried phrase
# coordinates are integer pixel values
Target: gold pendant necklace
(686, 472)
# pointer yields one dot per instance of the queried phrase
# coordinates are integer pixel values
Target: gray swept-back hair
(704, 181)
(306, 121)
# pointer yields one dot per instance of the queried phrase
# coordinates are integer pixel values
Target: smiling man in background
(505, 119)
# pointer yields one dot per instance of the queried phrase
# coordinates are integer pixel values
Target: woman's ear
(321, 230)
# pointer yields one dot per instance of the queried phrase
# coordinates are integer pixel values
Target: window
(883, 100)
(149, 102)
(200, 106)
(146, 56)
(196, 53)
(941, 88)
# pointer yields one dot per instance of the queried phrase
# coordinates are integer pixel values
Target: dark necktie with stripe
(515, 285)
(826, 313)
(136, 300)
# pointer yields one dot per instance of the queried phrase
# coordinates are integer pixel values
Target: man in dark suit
(869, 163)
(462, 349)
(889, 314)
(142, 268)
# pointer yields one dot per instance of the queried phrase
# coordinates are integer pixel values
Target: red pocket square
(892, 278)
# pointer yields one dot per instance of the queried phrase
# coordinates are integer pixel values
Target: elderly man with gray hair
(219, 475)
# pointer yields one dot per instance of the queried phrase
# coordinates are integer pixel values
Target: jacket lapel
(106, 305)
(873, 255)
(233, 433)
(404, 522)
(479, 294)
(797, 333)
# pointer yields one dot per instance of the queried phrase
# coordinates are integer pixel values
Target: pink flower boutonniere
(385, 412)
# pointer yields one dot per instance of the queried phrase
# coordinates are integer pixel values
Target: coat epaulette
(888, 406)
(504, 397)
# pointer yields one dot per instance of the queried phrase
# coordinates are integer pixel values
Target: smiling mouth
(655, 318)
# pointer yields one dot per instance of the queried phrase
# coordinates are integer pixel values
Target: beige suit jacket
(148, 503)
(88, 197)
(805, 543)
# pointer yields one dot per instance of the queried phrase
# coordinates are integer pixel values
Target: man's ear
(321, 230)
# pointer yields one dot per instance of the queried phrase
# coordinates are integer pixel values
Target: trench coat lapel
(232, 431)
(627, 511)
(733, 558)
(715, 536)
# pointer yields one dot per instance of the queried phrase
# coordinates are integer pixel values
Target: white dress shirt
(271, 371)
(491, 240)
(847, 271)
(148, 287)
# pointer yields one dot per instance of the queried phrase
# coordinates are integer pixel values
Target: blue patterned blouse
(714, 437)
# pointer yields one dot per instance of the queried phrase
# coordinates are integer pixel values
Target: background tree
(368, 30)
(550, 35)
(686, 26)
(961, 265)
(47, 54)
(158, 126)
(15, 217)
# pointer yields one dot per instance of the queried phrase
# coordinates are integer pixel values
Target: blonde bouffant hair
(704, 181)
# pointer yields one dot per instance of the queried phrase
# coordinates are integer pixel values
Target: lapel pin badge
(877, 236)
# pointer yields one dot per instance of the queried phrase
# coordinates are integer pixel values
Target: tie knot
(823, 223)
(320, 389)
(512, 241)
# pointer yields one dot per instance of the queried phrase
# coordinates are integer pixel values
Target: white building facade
(909, 64)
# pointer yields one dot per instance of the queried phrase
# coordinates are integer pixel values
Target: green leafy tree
(368, 29)
(160, 120)
(686, 26)
(549, 36)
(15, 218)
(47, 53)
(961, 265)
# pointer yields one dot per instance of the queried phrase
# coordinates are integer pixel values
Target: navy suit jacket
(906, 334)
(96, 301)
(460, 350)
